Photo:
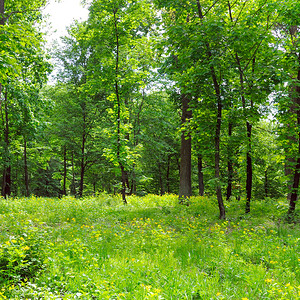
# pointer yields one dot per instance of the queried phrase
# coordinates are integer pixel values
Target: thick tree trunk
(294, 193)
(26, 177)
(2, 22)
(185, 180)
(2, 11)
(200, 175)
(64, 192)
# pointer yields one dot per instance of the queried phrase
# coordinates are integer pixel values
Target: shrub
(20, 259)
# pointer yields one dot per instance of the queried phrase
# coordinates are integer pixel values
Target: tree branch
(210, 8)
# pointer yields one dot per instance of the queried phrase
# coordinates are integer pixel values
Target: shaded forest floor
(96, 248)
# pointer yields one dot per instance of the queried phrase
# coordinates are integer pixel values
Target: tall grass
(153, 248)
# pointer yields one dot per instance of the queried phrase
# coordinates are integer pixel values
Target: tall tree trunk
(200, 175)
(249, 131)
(64, 192)
(185, 180)
(2, 22)
(82, 165)
(136, 133)
(26, 177)
(229, 164)
(249, 169)
(124, 175)
(217, 161)
(218, 124)
(6, 184)
(294, 194)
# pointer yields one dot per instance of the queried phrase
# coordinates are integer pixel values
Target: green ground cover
(96, 248)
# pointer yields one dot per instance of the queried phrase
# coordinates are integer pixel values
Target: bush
(20, 260)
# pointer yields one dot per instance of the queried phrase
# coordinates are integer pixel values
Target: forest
(185, 97)
(153, 152)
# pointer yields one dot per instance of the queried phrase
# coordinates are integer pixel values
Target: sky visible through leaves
(61, 15)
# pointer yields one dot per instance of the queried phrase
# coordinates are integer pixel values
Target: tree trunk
(248, 129)
(26, 177)
(249, 169)
(168, 174)
(200, 176)
(94, 188)
(217, 162)
(185, 179)
(161, 182)
(6, 184)
(136, 133)
(2, 11)
(218, 124)
(73, 184)
(2, 22)
(294, 193)
(65, 172)
(124, 174)
(266, 183)
(229, 165)
(82, 165)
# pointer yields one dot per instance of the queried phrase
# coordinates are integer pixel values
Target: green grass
(96, 248)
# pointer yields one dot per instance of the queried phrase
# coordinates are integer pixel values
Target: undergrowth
(153, 248)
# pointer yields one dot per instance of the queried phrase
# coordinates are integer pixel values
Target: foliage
(121, 75)
(151, 249)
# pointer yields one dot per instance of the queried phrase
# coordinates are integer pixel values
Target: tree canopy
(158, 96)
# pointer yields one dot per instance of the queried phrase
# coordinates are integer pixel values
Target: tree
(245, 40)
(22, 61)
(198, 61)
(288, 98)
(120, 26)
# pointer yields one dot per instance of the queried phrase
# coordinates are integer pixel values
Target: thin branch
(4, 19)
(244, 4)
(230, 13)
(210, 8)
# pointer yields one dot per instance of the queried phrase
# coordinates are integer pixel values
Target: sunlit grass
(153, 248)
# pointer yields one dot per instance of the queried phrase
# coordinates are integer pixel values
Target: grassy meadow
(96, 248)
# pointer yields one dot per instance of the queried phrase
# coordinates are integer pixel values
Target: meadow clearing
(153, 248)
